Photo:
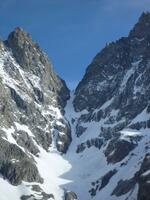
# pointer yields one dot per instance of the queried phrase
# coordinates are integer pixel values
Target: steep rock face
(112, 108)
(31, 58)
(118, 65)
(32, 100)
(144, 179)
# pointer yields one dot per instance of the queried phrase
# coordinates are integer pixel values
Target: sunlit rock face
(32, 101)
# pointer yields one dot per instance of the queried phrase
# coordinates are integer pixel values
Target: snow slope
(91, 164)
(75, 172)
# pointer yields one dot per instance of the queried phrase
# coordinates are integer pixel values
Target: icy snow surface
(74, 171)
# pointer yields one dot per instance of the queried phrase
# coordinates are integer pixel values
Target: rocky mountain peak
(112, 105)
(142, 28)
(110, 65)
(32, 100)
(26, 52)
(34, 61)
(19, 38)
(19, 32)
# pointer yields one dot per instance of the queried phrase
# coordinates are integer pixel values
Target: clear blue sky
(71, 32)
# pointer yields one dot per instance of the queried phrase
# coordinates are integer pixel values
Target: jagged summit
(33, 60)
(113, 105)
(32, 100)
(142, 28)
(26, 51)
(115, 59)
(18, 31)
(19, 37)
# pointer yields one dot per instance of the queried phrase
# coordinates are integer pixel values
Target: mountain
(90, 144)
(32, 105)
(114, 97)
